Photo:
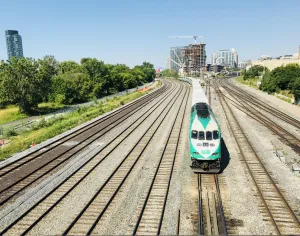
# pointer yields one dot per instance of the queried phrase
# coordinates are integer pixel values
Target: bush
(9, 132)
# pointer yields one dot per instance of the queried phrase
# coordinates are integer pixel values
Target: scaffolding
(194, 59)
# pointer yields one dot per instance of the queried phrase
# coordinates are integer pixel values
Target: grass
(12, 113)
(55, 126)
(250, 82)
(289, 100)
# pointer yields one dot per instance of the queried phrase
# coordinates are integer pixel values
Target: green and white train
(205, 134)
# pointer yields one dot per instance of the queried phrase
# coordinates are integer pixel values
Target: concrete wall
(272, 64)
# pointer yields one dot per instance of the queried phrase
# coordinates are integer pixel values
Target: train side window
(194, 134)
(208, 135)
(201, 135)
(215, 134)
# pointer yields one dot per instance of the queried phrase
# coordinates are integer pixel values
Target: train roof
(198, 93)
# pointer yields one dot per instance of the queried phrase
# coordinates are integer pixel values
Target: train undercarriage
(206, 166)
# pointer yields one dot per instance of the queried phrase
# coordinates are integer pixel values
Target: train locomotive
(205, 134)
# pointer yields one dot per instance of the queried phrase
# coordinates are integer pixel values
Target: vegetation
(26, 82)
(50, 128)
(10, 113)
(283, 80)
(250, 82)
(170, 74)
(220, 75)
(254, 72)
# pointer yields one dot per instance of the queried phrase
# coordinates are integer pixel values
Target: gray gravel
(10, 211)
(238, 198)
(237, 191)
(123, 212)
(62, 215)
(265, 144)
(45, 143)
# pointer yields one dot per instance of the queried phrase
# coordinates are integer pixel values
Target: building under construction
(188, 60)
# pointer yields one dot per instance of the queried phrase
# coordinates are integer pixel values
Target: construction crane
(185, 37)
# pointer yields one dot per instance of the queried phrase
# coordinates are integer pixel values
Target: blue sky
(133, 31)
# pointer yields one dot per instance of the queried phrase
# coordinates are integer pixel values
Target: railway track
(242, 94)
(209, 93)
(151, 211)
(20, 174)
(82, 224)
(210, 210)
(275, 207)
(286, 136)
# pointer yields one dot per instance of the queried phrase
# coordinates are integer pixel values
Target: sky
(133, 31)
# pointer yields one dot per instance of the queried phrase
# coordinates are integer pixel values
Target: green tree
(22, 82)
(71, 87)
(69, 66)
(119, 74)
(253, 72)
(48, 67)
(98, 74)
(295, 87)
(167, 73)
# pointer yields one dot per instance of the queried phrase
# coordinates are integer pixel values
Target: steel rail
(220, 206)
(156, 172)
(268, 108)
(67, 231)
(96, 136)
(77, 132)
(69, 178)
(277, 190)
(200, 211)
(271, 125)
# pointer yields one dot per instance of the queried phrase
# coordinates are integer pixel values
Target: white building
(225, 57)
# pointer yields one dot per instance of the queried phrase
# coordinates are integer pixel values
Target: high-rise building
(213, 58)
(176, 57)
(13, 44)
(236, 59)
(227, 57)
(189, 60)
(194, 57)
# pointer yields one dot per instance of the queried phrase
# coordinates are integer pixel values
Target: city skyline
(130, 32)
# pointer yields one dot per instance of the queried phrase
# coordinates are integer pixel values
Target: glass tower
(13, 44)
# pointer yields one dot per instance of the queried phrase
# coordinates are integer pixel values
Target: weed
(46, 129)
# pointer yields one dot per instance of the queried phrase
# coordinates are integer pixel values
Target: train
(205, 133)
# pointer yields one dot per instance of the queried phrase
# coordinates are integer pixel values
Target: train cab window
(208, 135)
(194, 134)
(201, 135)
(215, 134)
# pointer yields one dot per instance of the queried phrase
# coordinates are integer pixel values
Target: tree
(69, 66)
(149, 71)
(48, 67)
(71, 87)
(167, 73)
(119, 74)
(296, 89)
(253, 72)
(98, 73)
(22, 83)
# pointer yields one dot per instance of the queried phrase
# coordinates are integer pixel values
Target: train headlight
(196, 153)
(212, 145)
